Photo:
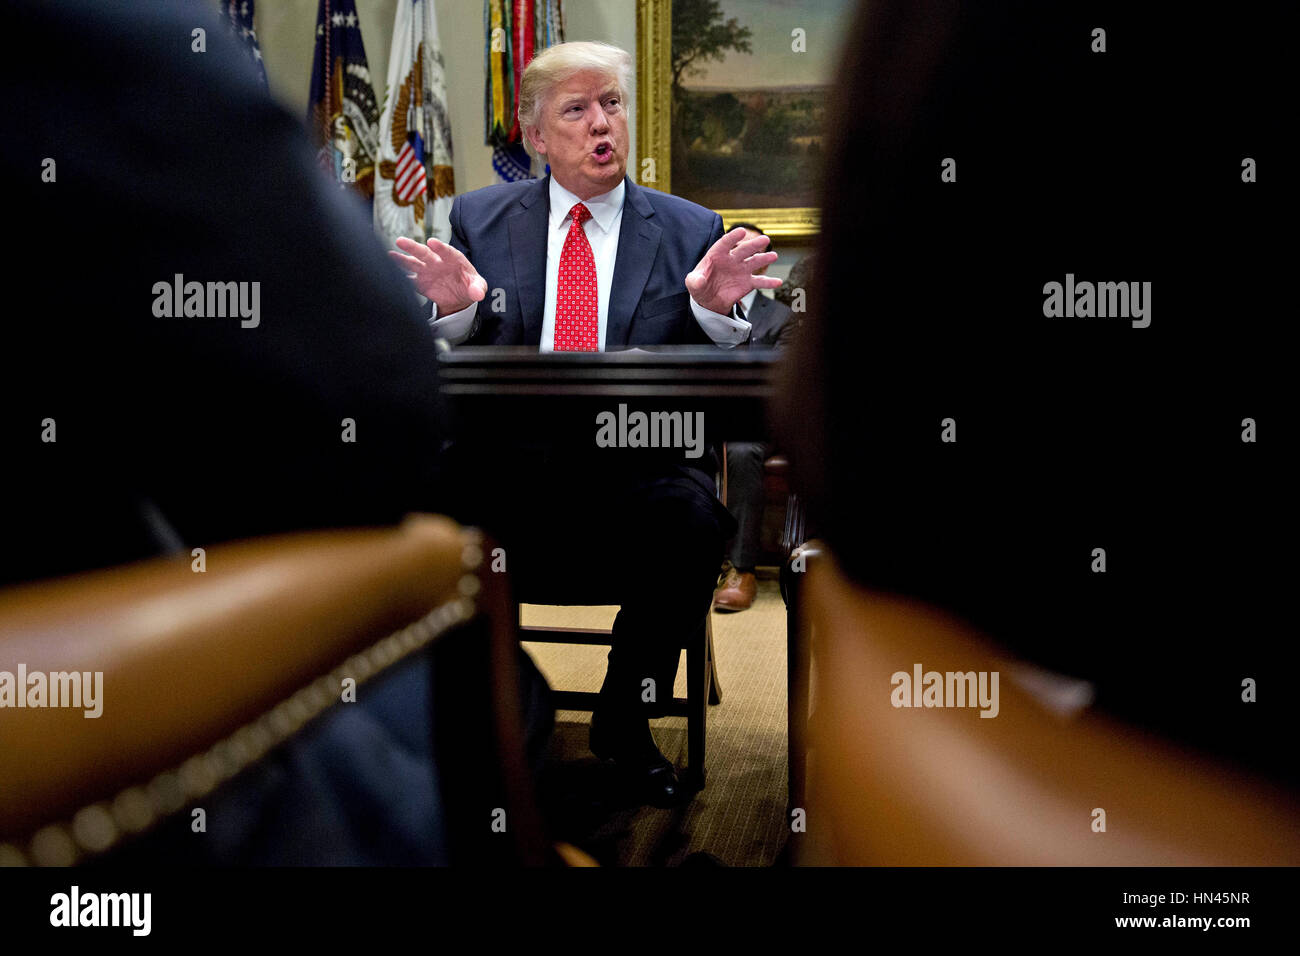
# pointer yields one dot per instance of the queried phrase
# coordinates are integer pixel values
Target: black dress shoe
(658, 785)
(628, 744)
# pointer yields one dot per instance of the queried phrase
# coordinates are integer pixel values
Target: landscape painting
(750, 83)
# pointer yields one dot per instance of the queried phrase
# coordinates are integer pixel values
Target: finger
(743, 250)
(694, 281)
(440, 248)
(449, 253)
(409, 263)
(418, 250)
(478, 288)
(760, 260)
(766, 282)
(728, 242)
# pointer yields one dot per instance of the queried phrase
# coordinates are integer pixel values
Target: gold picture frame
(654, 126)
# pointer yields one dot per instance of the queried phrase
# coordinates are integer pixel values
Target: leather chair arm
(188, 657)
(944, 786)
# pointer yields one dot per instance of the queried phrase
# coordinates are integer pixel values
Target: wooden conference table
(518, 395)
(513, 391)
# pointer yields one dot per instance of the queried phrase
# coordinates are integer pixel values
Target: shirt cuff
(455, 328)
(725, 330)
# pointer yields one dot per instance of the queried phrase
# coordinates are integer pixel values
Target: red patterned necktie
(577, 326)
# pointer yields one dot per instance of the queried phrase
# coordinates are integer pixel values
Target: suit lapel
(528, 254)
(759, 314)
(638, 243)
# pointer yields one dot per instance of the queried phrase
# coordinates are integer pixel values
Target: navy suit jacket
(502, 231)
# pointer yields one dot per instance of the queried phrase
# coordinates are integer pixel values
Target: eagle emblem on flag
(343, 114)
(415, 181)
(408, 174)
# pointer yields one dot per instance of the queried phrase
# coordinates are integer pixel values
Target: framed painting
(731, 96)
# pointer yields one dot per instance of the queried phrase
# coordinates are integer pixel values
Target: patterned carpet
(739, 817)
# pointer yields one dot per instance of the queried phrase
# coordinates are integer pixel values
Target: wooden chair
(943, 786)
(203, 673)
(703, 688)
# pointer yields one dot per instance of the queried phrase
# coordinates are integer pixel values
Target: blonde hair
(556, 64)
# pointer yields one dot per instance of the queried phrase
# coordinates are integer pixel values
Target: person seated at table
(773, 324)
(585, 259)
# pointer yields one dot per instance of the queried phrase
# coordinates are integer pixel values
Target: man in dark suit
(659, 240)
(673, 276)
(772, 326)
(586, 260)
(771, 319)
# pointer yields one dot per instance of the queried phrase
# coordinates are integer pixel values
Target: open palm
(726, 273)
(440, 273)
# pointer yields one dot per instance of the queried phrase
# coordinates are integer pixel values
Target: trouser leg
(745, 501)
(671, 559)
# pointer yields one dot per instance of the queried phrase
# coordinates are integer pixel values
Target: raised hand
(726, 273)
(441, 274)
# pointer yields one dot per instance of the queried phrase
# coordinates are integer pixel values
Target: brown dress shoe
(737, 592)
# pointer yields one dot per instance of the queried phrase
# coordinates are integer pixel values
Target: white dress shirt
(602, 231)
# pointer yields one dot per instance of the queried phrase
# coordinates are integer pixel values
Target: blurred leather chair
(778, 492)
(943, 786)
(793, 552)
(204, 673)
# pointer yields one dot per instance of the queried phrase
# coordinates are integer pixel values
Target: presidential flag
(343, 114)
(415, 183)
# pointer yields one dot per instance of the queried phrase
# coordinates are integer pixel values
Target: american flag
(414, 181)
(240, 15)
(411, 179)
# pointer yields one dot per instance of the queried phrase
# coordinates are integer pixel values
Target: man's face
(582, 133)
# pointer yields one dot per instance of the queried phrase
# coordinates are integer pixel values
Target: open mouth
(603, 153)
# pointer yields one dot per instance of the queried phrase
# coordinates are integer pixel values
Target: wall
(285, 30)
